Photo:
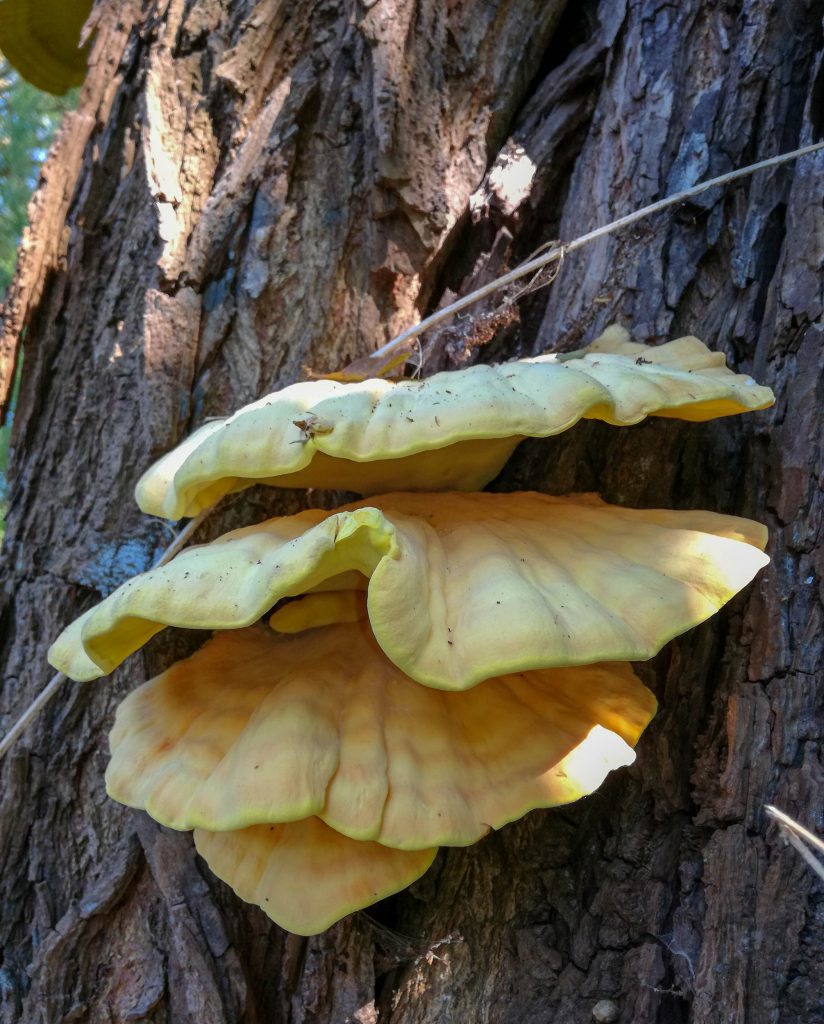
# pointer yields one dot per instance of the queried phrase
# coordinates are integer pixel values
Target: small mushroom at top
(461, 587)
(452, 431)
(41, 41)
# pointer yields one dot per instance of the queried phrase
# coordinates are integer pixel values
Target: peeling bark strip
(247, 188)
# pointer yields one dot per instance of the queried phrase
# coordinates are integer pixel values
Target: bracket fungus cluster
(414, 669)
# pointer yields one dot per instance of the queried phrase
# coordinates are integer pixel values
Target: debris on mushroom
(41, 41)
(452, 431)
(320, 779)
(258, 727)
(317, 773)
(461, 587)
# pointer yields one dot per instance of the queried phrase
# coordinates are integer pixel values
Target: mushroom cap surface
(41, 41)
(304, 875)
(452, 431)
(258, 728)
(461, 587)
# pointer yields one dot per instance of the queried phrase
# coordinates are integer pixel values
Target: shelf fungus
(305, 875)
(452, 431)
(319, 778)
(411, 670)
(41, 40)
(460, 587)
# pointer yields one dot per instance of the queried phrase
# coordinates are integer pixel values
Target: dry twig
(56, 681)
(557, 252)
(799, 838)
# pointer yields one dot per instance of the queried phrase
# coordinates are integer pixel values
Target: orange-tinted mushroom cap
(306, 876)
(261, 728)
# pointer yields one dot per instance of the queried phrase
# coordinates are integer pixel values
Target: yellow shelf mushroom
(317, 773)
(461, 587)
(306, 876)
(452, 431)
(41, 40)
(319, 778)
(260, 727)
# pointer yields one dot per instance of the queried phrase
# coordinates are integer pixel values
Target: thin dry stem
(31, 712)
(800, 838)
(54, 684)
(558, 251)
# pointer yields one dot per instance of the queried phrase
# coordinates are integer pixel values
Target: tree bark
(248, 188)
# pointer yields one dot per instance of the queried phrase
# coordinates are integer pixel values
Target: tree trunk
(248, 188)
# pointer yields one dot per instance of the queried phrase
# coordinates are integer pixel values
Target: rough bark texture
(247, 188)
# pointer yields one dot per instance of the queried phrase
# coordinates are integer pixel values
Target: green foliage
(28, 119)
